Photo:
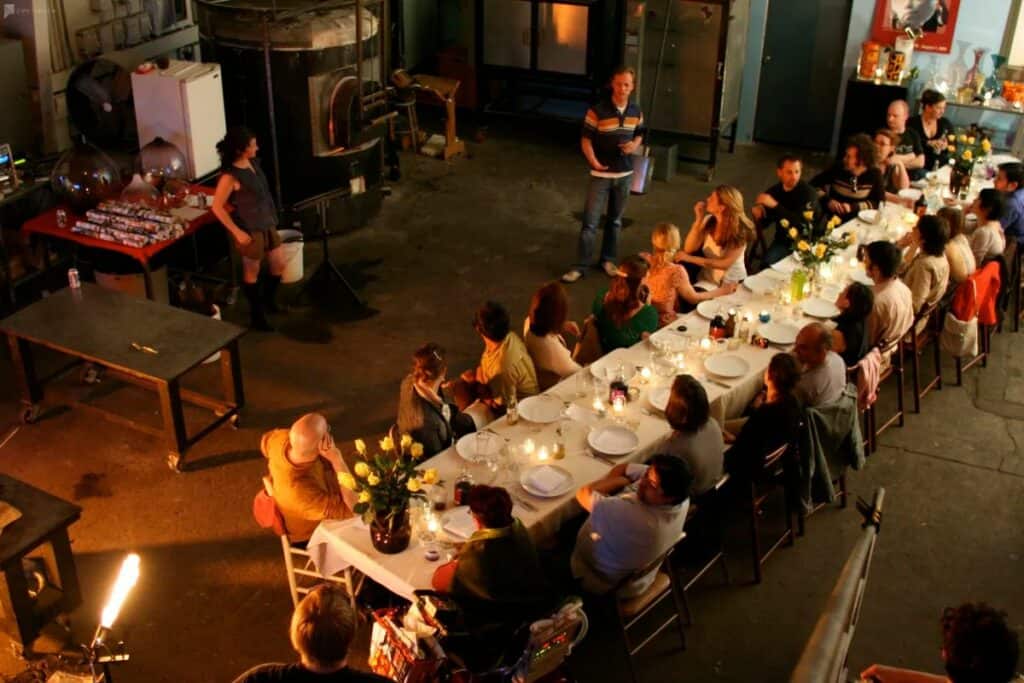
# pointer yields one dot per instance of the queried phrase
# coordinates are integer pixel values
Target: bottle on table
(512, 410)
(463, 484)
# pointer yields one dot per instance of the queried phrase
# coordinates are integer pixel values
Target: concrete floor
(213, 600)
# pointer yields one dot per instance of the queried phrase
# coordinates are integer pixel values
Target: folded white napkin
(459, 522)
(546, 479)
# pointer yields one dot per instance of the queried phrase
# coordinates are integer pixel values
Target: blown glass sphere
(84, 176)
(161, 161)
(175, 193)
(141, 192)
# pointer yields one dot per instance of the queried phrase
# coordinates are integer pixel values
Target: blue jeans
(602, 191)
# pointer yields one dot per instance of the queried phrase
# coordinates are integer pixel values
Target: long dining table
(345, 545)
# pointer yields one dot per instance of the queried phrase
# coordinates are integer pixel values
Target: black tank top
(254, 205)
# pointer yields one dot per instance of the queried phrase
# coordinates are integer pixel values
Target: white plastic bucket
(291, 252)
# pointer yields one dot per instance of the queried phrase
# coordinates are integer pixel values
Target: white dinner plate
(819, 308)
(778, 333)
(786, 265)
(727, 365)
(542, 408)
(759, 284)
(710, 308)
(469, 446)
(527, 481)
(658, 397)
(613, 440)
(458, 523)
(869, 216)
(599, 368)
(910, 194)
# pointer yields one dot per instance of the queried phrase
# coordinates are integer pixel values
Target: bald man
(824, 372)
(909, 148)
(304, 466)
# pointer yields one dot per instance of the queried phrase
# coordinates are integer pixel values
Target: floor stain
(92, 485)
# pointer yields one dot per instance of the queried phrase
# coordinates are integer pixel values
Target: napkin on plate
(546, 479)
(459, 522)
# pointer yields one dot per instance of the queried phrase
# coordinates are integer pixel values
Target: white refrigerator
(183, 104)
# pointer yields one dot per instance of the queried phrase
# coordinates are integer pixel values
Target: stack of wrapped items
(129, 224)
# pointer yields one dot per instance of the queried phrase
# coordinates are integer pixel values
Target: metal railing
(824, 656)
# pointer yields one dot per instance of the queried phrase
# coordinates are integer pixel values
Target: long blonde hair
(666, 240)
(737, 226)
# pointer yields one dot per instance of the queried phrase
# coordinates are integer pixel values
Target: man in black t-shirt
(909, 148)
(787, 199)
(322, 628)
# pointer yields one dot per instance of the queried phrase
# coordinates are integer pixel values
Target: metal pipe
(824, 656)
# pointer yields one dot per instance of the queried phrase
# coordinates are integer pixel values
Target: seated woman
(668, 281)
(988, 240)
(854, 183)
(775, 419)
(958, 249)
(695, 437)
(543, 331)
(621, 313)
(932, 127)
(850, 337)
(424, 412)
(894, 174)
(720, 233)
(926, 271)
(499, 563)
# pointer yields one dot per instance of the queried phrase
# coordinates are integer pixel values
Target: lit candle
(432, 525)
(619, 405)
(826, 271)
(599, 406)
(910, 217)
(705, 344)
(529, 447)
(645, 373)
(787, 297)
(854, 263)
(542, 454)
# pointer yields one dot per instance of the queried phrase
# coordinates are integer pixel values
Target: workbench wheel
(30, 414)
(90, 374)
(174, 462)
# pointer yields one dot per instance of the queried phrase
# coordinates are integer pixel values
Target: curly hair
(979, 645)
(865, 146)
(428, 362)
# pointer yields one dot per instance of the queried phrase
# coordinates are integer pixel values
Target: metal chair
(707, 521)
(300, 570)
(631, 610)
(769, 478)
(915, 342)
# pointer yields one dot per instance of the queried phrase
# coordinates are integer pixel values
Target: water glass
(482, 445)
(583, 382)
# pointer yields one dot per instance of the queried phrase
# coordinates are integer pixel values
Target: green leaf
(360, 508)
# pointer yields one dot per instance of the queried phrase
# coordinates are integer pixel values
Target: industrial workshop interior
(351, 341)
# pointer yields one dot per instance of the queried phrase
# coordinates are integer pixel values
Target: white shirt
(823, 384)
(549, 353)
(737, 272)
(988, 241)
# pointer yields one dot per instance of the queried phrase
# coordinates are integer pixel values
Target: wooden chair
(838, 482)
(984, 346)
(706, 521)
(852, 375)
(758, 248)
(915, 342)
(769, 478)
(631, 611)
(890, 350)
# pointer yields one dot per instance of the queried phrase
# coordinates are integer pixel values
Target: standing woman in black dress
(253, 225)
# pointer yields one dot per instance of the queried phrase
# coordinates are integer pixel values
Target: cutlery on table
(523, 502)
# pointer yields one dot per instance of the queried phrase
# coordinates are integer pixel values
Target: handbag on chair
(959, 337)
(265, 512)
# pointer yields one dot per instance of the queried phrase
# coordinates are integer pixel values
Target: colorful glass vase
(994, 84)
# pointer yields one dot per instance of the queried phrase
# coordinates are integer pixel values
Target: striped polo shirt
(607, 128)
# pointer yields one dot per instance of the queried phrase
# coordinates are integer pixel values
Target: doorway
(801, 72)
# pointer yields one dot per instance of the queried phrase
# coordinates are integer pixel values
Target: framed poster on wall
(936, 20)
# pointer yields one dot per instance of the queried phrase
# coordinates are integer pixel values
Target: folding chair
(915, 342)
(631, 610)
(890, 351)
(768, 479)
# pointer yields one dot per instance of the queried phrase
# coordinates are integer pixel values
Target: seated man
(506, 369)
(909, 149)
(978, 646)
(893, 312)
(1010, 179)
(304, 467)
(323, 625)
(786, 199)
(499, 562)
(824, 372)
(629, 529)
(854, 183)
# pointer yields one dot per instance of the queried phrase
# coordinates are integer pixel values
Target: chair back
(265, 510)
(648, 568)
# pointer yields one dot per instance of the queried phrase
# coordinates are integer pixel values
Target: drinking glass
(482, 445)
(583, 382)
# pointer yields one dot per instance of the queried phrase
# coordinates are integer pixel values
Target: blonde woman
(667, 280)
(720, 233)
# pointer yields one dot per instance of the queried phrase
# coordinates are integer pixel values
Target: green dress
(613, 337)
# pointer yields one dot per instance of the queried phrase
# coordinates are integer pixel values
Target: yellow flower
(963, 138)
(951, 137)
(968, 156)
(373, 479)
(362, 470)
(406, 440)
(970, 141)
(850, 238)
(416, 450)
(364, 497)
(986, 145)
(793, 233)
(430, 476)
(360, 447)
(819, 250)
(784, 223)
(346, 480)
(834, 221)
(387, 443)
(951, 149)
(803, 246)
(413, 484)
(809, 215)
